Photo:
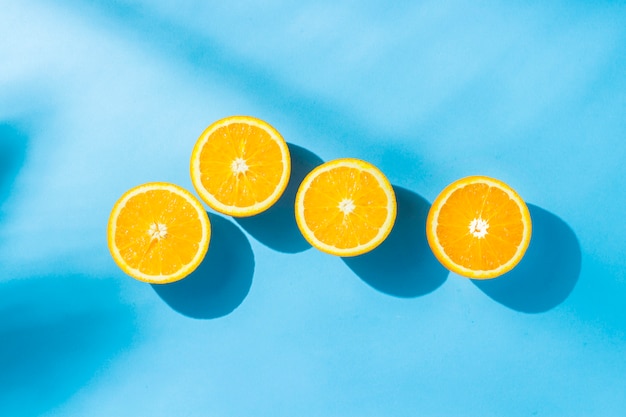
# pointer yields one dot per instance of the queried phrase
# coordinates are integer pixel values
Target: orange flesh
(328, 223)
(261, 154)
(152, 255)
(503, 237)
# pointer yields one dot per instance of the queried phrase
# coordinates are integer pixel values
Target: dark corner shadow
(13, 144)
(403, 265)
(221, 282)
(57, 333)
(546, 275)
(276, 227)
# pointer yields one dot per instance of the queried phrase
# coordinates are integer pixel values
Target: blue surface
(100, 96)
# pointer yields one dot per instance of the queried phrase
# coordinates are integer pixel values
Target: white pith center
(478, 227)
(346, 206)
(239, 166)
(157, 231)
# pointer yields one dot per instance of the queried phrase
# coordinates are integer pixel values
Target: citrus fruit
(158, 232)
(478, 227)
(345, 207)
(240, 166)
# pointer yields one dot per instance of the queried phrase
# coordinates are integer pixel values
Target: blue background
(99, 96)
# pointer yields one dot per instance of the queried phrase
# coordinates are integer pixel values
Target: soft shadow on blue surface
(546, 275)
(13, 144)
(207, 55)
(403, 265)
(277, 227)
(56, 333)
(221, 282)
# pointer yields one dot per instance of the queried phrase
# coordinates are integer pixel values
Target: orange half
(479, 227)
(158, 232)
(240, 166)
(345, 207)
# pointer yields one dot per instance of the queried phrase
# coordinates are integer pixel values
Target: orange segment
(479, 227)
(345, 207)
(240, 166)
(158, 232)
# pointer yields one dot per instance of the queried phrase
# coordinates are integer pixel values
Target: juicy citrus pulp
(345, 207)
(240, 166)
(478, 227)
(158, 232)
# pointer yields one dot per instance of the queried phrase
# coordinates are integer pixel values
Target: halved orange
(479, 227)
(345, 207)
(240, 166)
(158, 232)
